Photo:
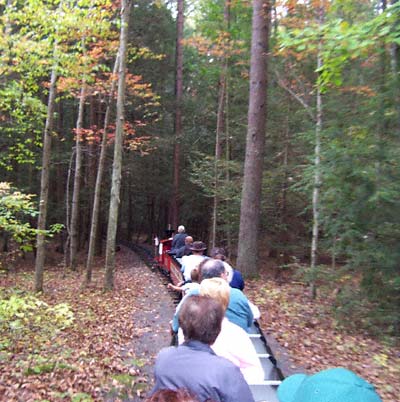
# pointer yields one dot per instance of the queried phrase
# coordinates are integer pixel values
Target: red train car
(166, 262)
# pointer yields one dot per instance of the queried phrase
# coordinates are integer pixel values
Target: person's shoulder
(166, 352)
(237, 293)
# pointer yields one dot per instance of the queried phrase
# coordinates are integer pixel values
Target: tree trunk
(99, 179)
(317, 171)
(117, 164)
(255, 141)
(174, 207)
(220, 128)
(77, 181)
(44, 184)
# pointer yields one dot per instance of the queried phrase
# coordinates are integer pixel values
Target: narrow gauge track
(264, 391)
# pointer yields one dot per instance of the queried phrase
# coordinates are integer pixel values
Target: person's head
(194, 275)
(211, 268)
(172, 395)
(332, 385)
(188, 240)
(198, 247)
(218, 253)
(181, 229)
(200, 318)
(216, 288)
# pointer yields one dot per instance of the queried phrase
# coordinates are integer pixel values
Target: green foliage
(16, 210)
(28, 322)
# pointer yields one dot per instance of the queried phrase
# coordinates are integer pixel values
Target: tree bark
(99, 179)
(220, 128)
(255, 141)
(317, 170)
(77, 181)
(174, 207)
(44, 184)
(117, 164)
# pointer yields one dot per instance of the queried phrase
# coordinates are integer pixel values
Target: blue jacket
(194, 366)
(238, 311)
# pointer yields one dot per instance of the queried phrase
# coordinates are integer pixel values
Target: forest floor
(108, 352)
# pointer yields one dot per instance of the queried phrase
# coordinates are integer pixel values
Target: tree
(117, 164)
(174, 209)
(255, 141)
(99, 178)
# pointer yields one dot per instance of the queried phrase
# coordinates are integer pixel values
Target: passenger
(235, 277)
(233, 343)
(190, 262)
(170, 395)
(219, 254)
(185, 250)
(193, 365)
(184, 287)
(239, 311)
(331, 385)
(178, 240)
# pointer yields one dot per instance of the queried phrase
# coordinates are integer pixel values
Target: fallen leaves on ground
(316, 341)
(88, 361)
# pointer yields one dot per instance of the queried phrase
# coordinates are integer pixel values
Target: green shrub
(26, 321)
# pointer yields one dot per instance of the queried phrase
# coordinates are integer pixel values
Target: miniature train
(264, 391)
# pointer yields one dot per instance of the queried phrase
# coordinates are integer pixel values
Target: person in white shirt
(190, 262)
(233, 342)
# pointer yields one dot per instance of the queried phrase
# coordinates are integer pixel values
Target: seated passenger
(185, 250)
(193, 365)
(190, 262)
(179, 239)
(335, 384)
(235, 277)
(184, 287)
(239, 311)
(233, 343)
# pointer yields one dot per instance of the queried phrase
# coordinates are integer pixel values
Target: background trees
(359, 142)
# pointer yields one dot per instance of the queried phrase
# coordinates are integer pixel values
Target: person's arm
(175, 319)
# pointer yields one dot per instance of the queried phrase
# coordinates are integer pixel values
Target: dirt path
(154, 310)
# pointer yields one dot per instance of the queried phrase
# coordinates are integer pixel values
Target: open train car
(167, 263)
(264, 391)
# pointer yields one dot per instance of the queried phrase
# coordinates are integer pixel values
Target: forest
(270, 128)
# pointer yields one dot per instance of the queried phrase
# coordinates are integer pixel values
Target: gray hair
(181, 229)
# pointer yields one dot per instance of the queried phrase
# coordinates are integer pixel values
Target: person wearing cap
(190, 262)
(331, 385)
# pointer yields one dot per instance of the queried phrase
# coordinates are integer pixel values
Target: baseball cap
(331, 385)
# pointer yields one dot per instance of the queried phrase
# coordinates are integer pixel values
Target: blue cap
(332, 385)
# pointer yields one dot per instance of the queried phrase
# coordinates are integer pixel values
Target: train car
(166, 262)
(264, 391)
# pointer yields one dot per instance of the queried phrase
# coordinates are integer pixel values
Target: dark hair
(200, 318)
(171, 395)
(219, 253)
(211, 268)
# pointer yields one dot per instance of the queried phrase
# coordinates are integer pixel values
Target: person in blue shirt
(239, 311)
(193, 365)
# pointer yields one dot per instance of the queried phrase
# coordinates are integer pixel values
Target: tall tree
(44, 183)
(77, 179)
(222, 89)
(99, 178)
(255, 141)
(117, 164)
(174, 207)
